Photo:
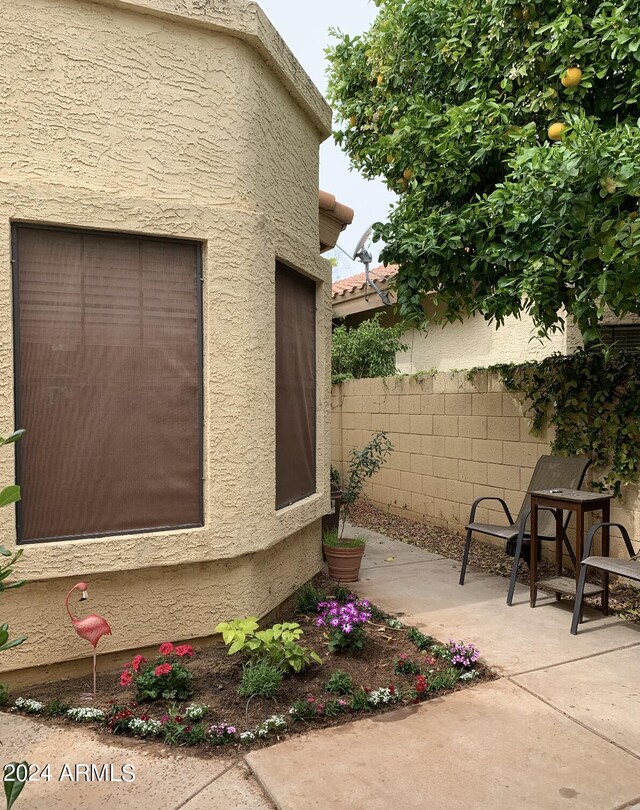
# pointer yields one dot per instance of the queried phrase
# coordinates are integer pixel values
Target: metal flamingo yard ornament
(92, 627)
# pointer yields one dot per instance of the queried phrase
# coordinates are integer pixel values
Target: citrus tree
(510, 132)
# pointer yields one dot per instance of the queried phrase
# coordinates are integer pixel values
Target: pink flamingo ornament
(92, 627)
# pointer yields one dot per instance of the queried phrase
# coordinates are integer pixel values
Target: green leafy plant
(443, 679)
(9, 495)
(331, 539)
(166, 677)
(55, 708)
(421, 641)
(304, 708)
(260, 678)
(307, 598)
(15, 776)
(405, 666)
(278, 644)
(339, 683)
(360, 700)
(363, 464)
(367, 350)
(452, 104)
(592, 400)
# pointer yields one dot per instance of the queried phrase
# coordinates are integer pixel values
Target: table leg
(533, 556)
(606, 517)
(559, 537)
(579, 538)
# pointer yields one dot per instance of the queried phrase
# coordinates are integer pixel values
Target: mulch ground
(624, 599)
(216, 677)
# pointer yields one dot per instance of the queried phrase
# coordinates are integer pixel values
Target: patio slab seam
(193, 795)
(399, 564)
(575, 720)
(573, 660)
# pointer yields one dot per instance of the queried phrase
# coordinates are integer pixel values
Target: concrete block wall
(454, 440)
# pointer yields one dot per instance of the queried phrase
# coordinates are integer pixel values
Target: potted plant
(344, 555)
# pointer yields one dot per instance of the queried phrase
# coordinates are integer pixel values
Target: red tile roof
(359, 281)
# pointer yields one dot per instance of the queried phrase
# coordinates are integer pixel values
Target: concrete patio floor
(559, 729)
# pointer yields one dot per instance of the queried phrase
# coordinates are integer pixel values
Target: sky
(304, 27)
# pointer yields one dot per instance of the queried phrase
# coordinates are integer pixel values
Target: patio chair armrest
(596, 528)
(474, 506)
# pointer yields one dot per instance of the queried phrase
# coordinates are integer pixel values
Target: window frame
(15, 313)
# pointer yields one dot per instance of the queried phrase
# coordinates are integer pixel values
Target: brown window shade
(295, 386)
(108, 376)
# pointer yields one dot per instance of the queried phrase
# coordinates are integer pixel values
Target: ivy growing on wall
(592, 399)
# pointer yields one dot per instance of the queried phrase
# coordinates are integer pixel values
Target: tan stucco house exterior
(159, 181)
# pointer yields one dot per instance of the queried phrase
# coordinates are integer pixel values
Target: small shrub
(83, 714)
(28, 705)
(119, 719)
(405, 666)
(221, 733)
(56, 708)
(419, 639)
(340, 683)
(344, 623)
(167, 677)
(383, 696)
(277, 644)
(461, 655)
(332, 708)
(274, 723)
(307, 598)
(444, 679)
(360, 700)
(260, 678)
(342, 595)
(196, 711)
(304, 709)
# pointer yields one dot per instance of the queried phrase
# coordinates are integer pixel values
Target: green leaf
(9, 495)
(16, 642)
(17, 434)
(236, 646)
(13, 788)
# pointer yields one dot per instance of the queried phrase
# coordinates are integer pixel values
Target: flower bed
(339, 658)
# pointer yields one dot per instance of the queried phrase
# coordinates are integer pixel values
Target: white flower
(28, 705)
(383, 695)
(469, 676)
(146, 728)
(85, 714)
(196, 711)
(247, 736)
(274, 723)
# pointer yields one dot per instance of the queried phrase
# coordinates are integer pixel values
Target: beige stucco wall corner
(246, 21)
(186, 119)
(182, 602)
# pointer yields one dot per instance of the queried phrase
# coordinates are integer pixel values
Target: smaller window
(626, 336)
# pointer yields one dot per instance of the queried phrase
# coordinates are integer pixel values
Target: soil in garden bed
(216, 677)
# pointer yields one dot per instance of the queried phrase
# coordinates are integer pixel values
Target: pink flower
(184, 650)
(162, 669)
(137, 662)
(166, 648)
(126, 678)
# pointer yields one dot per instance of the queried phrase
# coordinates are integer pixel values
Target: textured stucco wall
(454, 440)
(164, 125)
(474, 342)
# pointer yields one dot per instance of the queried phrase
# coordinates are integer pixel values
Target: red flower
(162, 669)
(166, 648)
(144, 717)
(392, 689)
(126, 678)
(184, 649)
(421, 683)
(137, 662)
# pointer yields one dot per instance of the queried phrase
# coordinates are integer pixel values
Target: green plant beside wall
(367, 350)
(592, 399)
(363, 464)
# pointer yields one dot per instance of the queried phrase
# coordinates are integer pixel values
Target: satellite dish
(362, 254)
(362, 242)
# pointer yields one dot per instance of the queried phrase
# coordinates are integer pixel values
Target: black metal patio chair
(610, 565)
(551, 472)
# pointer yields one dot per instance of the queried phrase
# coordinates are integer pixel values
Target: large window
(295, 386)
(626, 336)
(108, 383)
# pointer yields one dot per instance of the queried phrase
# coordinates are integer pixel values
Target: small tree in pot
(345, 555)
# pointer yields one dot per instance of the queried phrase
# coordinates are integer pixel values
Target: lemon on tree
(571, 77)
(556, 131)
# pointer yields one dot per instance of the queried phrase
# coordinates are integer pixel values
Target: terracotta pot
(344, 563)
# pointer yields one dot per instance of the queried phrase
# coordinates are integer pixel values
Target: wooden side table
(572, 500)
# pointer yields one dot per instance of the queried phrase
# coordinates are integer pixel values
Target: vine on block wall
(592, 399)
